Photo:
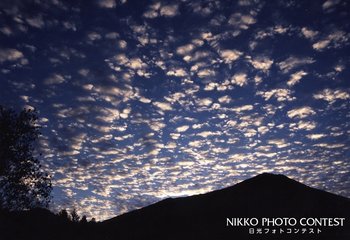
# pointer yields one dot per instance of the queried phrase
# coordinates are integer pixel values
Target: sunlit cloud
(241, 21)
(294, 62)
(296, 77)
(261, 63)
(36, 22)
(309, 33)
(163, 106)
(54, 79)
(332, 95)
(107, 3)
(315, 136)
(10, 54)
(280, 94)
(329, 4)
(302, 112)
(239, 79)
(182, 128)
(229, 55)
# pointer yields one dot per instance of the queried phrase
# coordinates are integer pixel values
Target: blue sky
(143, 100)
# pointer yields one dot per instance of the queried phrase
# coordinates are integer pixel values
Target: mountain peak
(271, 178)
(270, 175)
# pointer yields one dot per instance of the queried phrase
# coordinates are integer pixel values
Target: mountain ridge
(256, 181)
(201, 216)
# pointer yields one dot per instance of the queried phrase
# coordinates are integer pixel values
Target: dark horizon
(269, 202)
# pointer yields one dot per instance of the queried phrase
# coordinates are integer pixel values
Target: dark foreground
(201, 216)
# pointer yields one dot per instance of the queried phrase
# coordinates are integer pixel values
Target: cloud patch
(294, 62)
(301, 112)
(239, 79)
(230, 56)
(296, 77)
(10, 54)
(281, 94)
(107, 3)
(261, 63)
(332, 95)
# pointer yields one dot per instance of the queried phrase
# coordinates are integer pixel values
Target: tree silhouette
(74, 215)
(23, 184)
(83, 220)
(64, 214)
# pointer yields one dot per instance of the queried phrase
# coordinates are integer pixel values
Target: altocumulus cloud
(174, 98)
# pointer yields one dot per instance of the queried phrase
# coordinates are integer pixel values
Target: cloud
(169, 10)
(157, 9)
(243, 108)
(316, 136)
(145, 100)
(281, 94)
(263, 154)
(69, 25)
(334, 40)
(329, 146)
(54, 79)
(205, 73)
(302, 112)
(175, 136)
(153, 10)
(175, 97)
(182, 128)
(185, 49)
(122, 44)
(263, 129)
(239, 79)
(321, 44)
(156, 125)
(202, 10)
(295, 78)
(308, 33)
(279, 143)
(225, 99)
(206, 134)
(36, 22)
(204, 102)
(261, 63)
(270, 32)
(6, 30)
(125, 113)
(332, 95)
(136, 63)
(249, 132)
(108, 115)
(107, 3)
(230, 56)
(329, 4)
(93, 36)
(10, 54)
(241, 21)
(177, 72)
(294, 62)
(303, 125)
(163, 106)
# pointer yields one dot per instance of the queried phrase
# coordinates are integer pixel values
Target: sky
(144, 100)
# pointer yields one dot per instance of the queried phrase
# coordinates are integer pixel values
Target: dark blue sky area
(143, 100)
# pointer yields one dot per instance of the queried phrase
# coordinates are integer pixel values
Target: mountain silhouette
(201, 216)
(204, 216)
